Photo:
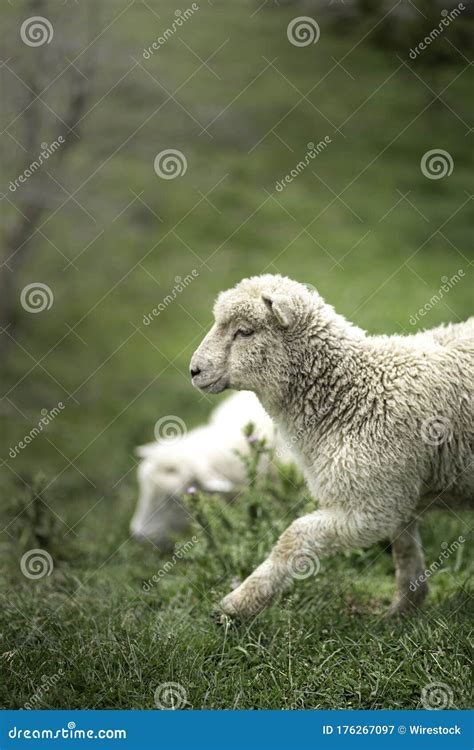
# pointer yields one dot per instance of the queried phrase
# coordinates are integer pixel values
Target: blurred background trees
(37, 113)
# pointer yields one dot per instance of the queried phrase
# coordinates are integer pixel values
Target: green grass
(377, 257)
(117, 621)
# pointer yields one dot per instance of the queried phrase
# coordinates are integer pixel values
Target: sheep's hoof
(227, 613)
(223, 620)
(400, 609)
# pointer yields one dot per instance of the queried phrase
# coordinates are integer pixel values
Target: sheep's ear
(280, 307)
(210, 481)
(217, 484)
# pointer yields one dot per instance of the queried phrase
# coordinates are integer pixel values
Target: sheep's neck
(329, 378)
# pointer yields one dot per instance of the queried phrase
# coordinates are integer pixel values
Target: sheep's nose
(195, 371)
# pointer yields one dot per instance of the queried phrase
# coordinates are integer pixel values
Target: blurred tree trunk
(31, 205)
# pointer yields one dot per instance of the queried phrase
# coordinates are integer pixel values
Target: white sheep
(205, 457)
(381, 425)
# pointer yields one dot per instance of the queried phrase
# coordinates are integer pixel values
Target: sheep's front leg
(409, 560)
(296, 555)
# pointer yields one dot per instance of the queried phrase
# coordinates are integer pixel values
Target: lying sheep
(382, 424)
(206, 457)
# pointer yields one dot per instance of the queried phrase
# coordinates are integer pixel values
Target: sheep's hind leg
(409, 562)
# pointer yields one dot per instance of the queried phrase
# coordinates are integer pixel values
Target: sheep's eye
(242, 332)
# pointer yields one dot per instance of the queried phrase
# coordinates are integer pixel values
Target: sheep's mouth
(213, 386)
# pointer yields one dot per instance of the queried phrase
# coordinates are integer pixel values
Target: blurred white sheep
(206, 458)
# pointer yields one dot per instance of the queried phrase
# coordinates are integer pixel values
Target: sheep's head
(251, 344)
(168, 471)
(163, 477)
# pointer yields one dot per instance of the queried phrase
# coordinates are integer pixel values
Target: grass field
(362, 223)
